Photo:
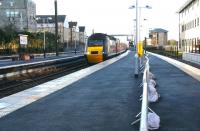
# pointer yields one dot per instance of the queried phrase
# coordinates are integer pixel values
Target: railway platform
(105, 97)
(37, 58)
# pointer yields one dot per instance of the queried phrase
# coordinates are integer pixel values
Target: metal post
(83, 41)
(79, 37)
(136, 40)
(71, 38)
(75, 41)
(44, 46)
(145, 46)
(56, 27)
(20, 51)
(177, 49)
(179, 34)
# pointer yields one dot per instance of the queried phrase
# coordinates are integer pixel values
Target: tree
(10, 33)
(172, 42)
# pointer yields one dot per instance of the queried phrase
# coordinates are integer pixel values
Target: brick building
(158, 37)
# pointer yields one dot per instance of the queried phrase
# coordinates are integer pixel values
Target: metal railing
(144, 108)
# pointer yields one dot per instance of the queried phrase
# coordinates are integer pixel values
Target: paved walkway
(106, 100)
(9, 62)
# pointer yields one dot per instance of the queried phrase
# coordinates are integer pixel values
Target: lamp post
(137, 38)
(56, 27)
(81, 32)
(44, 32)
(73, 25)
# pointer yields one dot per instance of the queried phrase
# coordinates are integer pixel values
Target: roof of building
(49, 19)
(158, 30)
(187, 3)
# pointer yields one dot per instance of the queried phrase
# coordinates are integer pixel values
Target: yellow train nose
(94, 58)
(95, 54)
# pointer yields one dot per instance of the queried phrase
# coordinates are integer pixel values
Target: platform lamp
(137, 38)
(44, 31)
(81, 31)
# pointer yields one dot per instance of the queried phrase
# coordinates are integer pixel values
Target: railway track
(25, 81)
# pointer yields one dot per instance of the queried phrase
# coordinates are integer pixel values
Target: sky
(115, 17)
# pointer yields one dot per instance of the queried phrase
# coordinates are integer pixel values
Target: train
(101, 46)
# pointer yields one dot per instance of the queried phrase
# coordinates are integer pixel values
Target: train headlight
(87, 53)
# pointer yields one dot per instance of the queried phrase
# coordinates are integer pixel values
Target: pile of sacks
(153, 96)
(152, 92)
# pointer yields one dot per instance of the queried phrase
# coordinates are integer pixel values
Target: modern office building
(19, 13)
(189, 27)
(189, 31)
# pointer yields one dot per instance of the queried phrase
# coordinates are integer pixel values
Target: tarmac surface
(108, 100)
(179, 106)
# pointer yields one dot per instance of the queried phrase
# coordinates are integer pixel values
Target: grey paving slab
(179, 106)
(104, 101)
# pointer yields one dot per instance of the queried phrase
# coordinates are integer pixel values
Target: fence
(148, 118)
(191, 57)
(144, 109)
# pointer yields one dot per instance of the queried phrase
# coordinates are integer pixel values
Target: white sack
(153, 82)
(152, 94)
(151, 76)
(153, 121)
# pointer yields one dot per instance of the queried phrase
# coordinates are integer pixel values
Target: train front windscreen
(95, 43)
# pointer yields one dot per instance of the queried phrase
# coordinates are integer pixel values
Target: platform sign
(23, 39)
(140, 49)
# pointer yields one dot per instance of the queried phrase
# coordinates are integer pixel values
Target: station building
(189, 30)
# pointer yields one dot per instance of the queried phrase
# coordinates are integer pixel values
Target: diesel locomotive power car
(102, 46)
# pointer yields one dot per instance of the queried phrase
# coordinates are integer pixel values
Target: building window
(198, 21)
(7, 14)
(192, 5)
(12, 14)
(11, 4)
(16, 13)
(182, 28)
(195, 45)
(191, 24)
(182, 44)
